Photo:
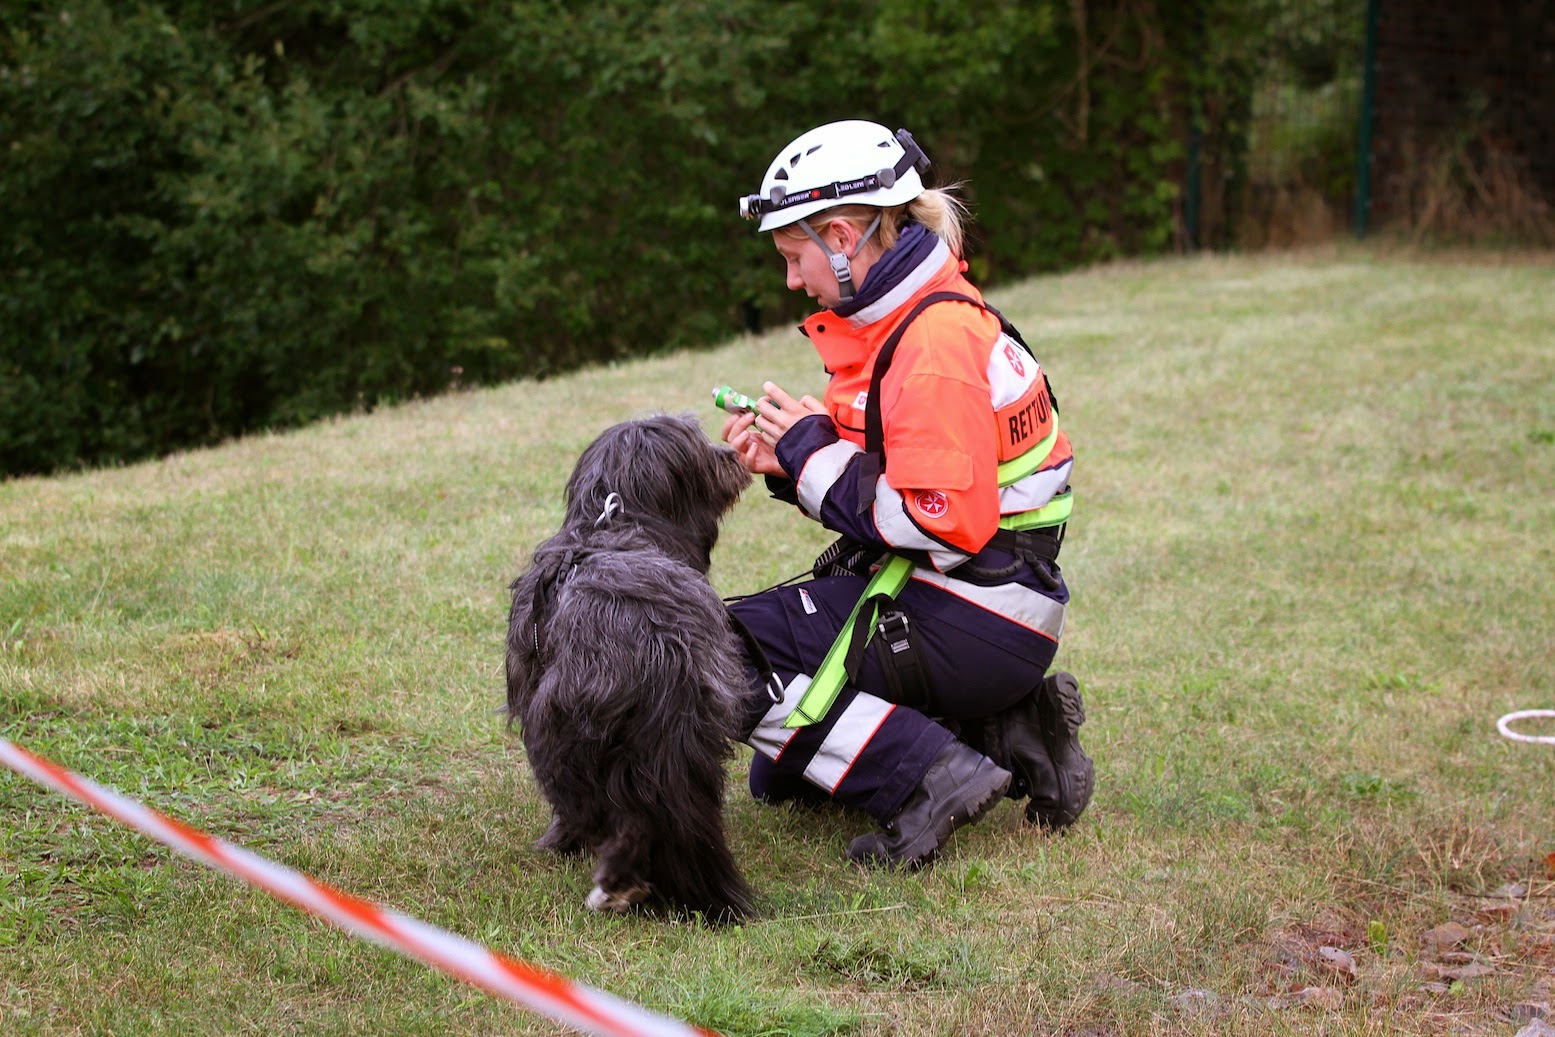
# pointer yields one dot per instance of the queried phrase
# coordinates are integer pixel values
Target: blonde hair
(937, 208)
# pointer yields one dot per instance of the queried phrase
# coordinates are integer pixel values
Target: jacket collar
(912, 246)
(908, 285)
(846, 342)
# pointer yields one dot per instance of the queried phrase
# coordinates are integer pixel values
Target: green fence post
(1363, 134)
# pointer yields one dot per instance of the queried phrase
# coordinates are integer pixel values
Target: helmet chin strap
(840, 262)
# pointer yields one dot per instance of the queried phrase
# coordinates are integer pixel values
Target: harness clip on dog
(612, 506)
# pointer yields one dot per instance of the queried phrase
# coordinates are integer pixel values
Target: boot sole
(1070, 705)
(1084, 787)
(1076, 770)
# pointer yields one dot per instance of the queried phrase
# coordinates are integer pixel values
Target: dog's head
(663, 467)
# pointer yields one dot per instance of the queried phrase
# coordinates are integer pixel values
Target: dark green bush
(225, 216)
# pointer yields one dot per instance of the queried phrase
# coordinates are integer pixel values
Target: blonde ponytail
(944, 214)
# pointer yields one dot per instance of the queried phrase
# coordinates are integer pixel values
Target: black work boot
(1040, 735)
(960, 786)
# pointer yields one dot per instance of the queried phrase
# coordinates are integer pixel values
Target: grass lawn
(1313, 560)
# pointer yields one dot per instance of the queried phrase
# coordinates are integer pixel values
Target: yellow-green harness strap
(1054, 513)
(1017, 468)
(847, 651)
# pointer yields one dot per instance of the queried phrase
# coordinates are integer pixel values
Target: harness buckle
(903, 663)
(895, 629)
(840, 265)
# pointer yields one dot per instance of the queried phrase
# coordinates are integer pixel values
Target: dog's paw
(559, 840)
(617, 901)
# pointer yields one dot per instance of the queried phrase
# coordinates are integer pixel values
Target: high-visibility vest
(847, 651)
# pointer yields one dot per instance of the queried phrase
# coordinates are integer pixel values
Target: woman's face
(809, 270)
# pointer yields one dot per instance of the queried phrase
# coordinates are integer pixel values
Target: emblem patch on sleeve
(932, 503)
(1013, 356)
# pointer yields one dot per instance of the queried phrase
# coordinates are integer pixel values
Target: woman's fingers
(736, 425)
(779, 397)
(782, 410)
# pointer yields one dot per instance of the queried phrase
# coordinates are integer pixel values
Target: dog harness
(1032, 536)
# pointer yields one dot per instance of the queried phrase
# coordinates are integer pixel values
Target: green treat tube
(731, 401)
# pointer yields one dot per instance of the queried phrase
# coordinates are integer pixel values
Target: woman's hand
(755, 453)
(754, 435)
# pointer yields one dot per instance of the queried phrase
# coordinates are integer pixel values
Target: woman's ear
(842, 236)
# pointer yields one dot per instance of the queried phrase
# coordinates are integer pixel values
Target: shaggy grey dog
(625, 674)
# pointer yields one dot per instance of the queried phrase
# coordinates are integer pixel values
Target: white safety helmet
(852, 161)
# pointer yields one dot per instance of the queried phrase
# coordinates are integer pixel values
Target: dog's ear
(717, 471)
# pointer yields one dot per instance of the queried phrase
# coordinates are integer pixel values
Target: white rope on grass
(1504, 725)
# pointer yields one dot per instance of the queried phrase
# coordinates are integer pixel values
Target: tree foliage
(226, 215)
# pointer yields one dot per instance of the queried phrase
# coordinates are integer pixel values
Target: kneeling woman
(935, 452)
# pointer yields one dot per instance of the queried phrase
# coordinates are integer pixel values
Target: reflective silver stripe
(855, 727)
(770, 737)
(1035, 490)
(1022, 605)
(897, 529)
(900, 295)
(821, 472)
(1005, 386)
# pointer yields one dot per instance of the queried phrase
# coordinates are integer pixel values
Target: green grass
(1312, 563)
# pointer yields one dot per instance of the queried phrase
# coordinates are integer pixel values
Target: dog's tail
(689, 865)
(695, 870)
(702, 876)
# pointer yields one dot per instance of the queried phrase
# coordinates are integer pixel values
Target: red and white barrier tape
(574, 1004)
